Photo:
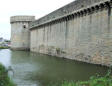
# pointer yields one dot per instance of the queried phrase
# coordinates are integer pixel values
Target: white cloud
(38, 8)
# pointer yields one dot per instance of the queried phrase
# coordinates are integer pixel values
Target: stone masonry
(81, 30)
(20, 34)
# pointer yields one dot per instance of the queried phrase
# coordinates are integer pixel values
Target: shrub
(4, 79)
(4, 47)
(58, 50)
(93, 81)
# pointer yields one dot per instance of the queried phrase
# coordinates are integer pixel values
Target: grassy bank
(102, 81)
(93, 81)
(4, 47)
(4, 79)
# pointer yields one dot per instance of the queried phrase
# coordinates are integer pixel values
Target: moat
(31, 69)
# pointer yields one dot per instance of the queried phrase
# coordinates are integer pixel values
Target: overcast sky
(37, 8)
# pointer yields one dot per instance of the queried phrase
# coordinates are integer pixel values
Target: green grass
(93, 81)
(4, 79)
(4, 47)
(102, 81)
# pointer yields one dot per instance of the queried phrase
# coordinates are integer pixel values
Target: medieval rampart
(81, 30)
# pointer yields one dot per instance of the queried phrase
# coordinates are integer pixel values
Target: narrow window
(24, 26)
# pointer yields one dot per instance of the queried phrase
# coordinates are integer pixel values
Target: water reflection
(5, 57)
(39, 70)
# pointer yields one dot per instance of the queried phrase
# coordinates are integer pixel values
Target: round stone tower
(20, 34)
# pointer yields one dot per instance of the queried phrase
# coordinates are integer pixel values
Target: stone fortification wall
(20, 34)
(83, 32)
(71, 8)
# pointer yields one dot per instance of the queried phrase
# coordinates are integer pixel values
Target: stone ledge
(20, 49)
(22, 19)
(67, 10)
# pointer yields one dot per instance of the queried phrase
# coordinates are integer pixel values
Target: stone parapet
(73, 8)
(22, 19)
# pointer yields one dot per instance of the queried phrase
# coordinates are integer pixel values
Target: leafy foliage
(4, 79)
(93, 81)
(4, 47)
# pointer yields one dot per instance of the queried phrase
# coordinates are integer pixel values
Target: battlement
(67, 10)
(22, 19)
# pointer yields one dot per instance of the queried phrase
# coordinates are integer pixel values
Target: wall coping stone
(22, 18)
(74, 7)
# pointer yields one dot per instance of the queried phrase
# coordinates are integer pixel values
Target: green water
(31, 69)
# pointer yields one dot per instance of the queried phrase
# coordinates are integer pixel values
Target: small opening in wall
(82, 5)
(24, 26)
